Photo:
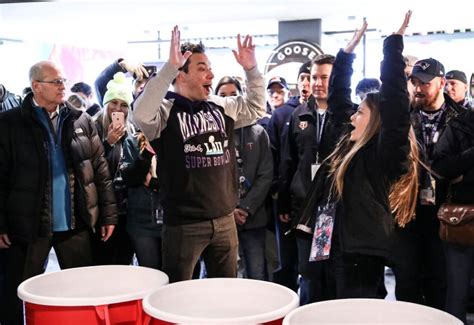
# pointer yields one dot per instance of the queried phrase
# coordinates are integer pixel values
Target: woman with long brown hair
(370, 175)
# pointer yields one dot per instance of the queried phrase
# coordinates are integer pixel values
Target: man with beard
(419, 261)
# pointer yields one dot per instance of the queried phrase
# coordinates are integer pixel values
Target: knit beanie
(305, 68)
(118, 88)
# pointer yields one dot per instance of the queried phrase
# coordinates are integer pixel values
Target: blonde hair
(404, 191)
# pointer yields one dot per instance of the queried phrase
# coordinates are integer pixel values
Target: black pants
(23, 261)
(354, 275)
(117, 250)
(459, 263)
(419, 265)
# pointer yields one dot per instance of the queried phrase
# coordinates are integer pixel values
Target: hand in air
(358, 34)
(176, 58)
(245, 53)
(406, 21)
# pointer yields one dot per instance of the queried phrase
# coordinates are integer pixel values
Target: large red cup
(219, 301)
(109, 294)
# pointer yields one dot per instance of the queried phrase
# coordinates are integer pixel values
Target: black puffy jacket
(25, 189)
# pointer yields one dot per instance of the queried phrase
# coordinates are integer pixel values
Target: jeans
(252, 244)
(215, 240)
(312, 282)
(287, 272)
(459, 263)
(148, 250)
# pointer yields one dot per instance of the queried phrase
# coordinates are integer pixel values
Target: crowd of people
(196, 176)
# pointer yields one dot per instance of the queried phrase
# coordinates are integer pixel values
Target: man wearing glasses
(54, 185)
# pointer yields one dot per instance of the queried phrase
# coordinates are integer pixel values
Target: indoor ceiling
(115, 22)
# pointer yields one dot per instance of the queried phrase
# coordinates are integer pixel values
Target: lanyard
(432, 137)
(320, 118)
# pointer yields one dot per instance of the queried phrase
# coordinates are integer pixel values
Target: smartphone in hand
(118, 119)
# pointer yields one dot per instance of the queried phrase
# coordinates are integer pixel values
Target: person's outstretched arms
(339, 100)
(250, 106)
(151, 109)
(393, 145)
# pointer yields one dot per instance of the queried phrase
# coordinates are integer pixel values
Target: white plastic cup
(220, 301)
(368, 311)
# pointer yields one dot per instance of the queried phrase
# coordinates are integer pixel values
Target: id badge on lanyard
(323, 230)
(319, 133)
(315, 166)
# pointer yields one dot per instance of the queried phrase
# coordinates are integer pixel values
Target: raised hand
(245, 54)
(358, 34)
(137, 70)
(406, 21)
(176, 58)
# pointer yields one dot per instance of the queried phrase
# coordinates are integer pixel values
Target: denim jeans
(459, 263)
(312, 282)
(148, 250)
(252, 244)
(215, 240)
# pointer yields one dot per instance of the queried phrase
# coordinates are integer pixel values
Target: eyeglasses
(57, 82)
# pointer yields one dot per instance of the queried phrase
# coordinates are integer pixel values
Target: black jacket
(364, 222)
(25, 189)
(454, 156)
(425, 219)
(301, 148)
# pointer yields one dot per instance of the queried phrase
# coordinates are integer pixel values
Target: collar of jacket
(309, 110)
(27, 108)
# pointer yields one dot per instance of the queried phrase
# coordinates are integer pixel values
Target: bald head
(48, 84)
(39, 69)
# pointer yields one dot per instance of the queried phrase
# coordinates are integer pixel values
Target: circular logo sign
(293, 51)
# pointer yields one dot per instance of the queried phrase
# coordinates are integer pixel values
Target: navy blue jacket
(277, 130)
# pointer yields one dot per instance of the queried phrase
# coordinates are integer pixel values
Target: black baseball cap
(427, 69)
(279, 81)
(456, 75)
